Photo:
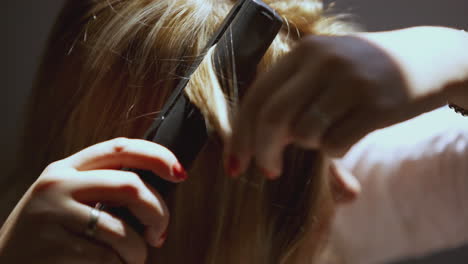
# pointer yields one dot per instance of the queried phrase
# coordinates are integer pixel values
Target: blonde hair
(111, 65)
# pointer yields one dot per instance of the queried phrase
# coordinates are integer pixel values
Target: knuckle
(120, 144)
(131, 185)
(129, 188)
(53, 166)
(49, 180)
(54, 175)
(45, 184)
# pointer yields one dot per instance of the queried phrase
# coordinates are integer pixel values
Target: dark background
(26, 23)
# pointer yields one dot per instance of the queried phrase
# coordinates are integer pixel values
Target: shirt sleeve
(414, 199)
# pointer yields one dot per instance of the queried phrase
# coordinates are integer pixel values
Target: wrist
(432, 60)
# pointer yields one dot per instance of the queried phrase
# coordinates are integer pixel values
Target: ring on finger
(93, 220)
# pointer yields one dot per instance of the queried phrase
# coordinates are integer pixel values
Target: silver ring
(326, 121)
(93, 220)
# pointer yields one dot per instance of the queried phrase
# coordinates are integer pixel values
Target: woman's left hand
(326, 93)
(330, 91)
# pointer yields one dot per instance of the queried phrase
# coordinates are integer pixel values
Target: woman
(109, 68)
(244, 221)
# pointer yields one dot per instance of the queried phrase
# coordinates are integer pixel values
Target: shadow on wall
(27, 23)
(377, 15)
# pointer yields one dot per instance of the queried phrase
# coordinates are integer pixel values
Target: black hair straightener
(241, 41)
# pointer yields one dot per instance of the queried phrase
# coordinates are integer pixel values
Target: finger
(129, 153)
(279, 74)
(349, 130)
(111, 231)
(338, 97)
(238, 149)
(345, 186)
(273, 127)
(122, 188)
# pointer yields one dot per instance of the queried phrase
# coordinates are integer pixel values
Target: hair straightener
(241, 41)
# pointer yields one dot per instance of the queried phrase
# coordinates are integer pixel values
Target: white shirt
(414, 200)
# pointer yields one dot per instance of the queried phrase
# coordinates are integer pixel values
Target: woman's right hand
(48, 225)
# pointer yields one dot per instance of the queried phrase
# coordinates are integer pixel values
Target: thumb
(345, 186)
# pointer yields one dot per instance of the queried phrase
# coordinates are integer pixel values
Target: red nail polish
(162, 239)
(179, 172)
(233, 165)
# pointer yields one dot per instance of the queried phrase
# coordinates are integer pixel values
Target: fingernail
(162, 239)
(233, 166)
(179, 172)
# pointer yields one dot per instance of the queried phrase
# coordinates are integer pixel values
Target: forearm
(433, 60)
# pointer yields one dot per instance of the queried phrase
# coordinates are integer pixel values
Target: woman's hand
(330, 91)
(49, 223)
